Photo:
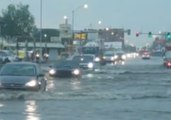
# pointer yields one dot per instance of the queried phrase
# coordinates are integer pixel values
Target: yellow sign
(80, 36)
(21, 54)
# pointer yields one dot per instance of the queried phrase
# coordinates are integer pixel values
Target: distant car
(65, 68)
(86, 61)
(109, 57)
(167, 59)
(7, 56)
(119, 58)
(146, 55)
(22, 76)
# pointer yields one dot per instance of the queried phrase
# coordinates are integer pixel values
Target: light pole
(85, 6)
(73, 14)
(40, 29)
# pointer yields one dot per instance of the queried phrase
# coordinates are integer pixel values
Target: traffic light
(129, 32)
(137, 34)
(168, 36)
(150, 34)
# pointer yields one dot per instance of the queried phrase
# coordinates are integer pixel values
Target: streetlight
(45, 35)
(73, 14)
(85, 6)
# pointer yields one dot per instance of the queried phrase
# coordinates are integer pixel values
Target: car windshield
(18, 70)
(109, 54)
(66, 64)
(83, 58)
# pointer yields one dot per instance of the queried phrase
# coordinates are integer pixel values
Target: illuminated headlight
(97, 59)
(76, 72)
(37, 55)
(46, 55)
(123, 57)
(112, 58)
(90, 65)
(31, 83)
(52, 72)
(115, 57)
(129, 55)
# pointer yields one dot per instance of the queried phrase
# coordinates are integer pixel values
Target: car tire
(6, 60)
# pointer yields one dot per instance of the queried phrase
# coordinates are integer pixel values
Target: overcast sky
(137, 15)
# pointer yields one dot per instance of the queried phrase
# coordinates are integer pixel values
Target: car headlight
(115, 57)
(76, 72)
(90, 65)
(123, 57)
(32, 83)
(46, 55)
(52, 72)
(97, 59)
(112, 58)
(37, 55)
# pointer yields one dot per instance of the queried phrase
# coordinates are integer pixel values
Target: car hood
(16, 79)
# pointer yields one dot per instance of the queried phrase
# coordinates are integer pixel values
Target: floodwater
(138, 90)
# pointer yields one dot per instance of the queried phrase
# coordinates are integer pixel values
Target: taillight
(169, 64)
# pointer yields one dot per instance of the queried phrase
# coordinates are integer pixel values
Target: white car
(7, 56)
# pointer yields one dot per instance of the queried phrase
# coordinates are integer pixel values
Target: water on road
(138, 90)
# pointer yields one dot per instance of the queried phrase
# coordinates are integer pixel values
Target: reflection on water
(1, 105)
(31, 111)
(50, 85)
(75, 84)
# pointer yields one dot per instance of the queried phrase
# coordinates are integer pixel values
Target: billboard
(80, 36)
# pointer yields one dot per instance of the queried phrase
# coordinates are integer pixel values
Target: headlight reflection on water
(31, 111)
(75, 84)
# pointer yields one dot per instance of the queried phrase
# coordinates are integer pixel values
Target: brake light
(169, 64)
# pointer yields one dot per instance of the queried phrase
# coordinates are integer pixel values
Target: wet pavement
(138, 90)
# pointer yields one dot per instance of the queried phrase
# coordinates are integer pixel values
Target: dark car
(65, 68)
(22, 76)
(167, 59)
(86, 61)
(119, 57)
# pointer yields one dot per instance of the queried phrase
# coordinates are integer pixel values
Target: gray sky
(137, 15)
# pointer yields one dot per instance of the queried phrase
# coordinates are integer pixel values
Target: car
(65, 68)
(119, 58)
(109, 56)
(145, 55)
(167, 59)
(7, 56)
(86, 61)
(25, 76)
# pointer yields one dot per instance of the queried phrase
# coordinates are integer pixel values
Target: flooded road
(138, 90)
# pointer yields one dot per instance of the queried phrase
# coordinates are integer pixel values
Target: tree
(17, 21)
